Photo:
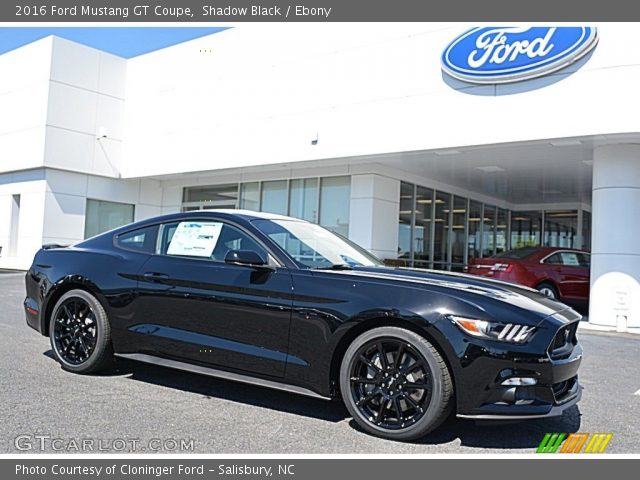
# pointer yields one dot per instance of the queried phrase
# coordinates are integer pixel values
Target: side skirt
(213, 372)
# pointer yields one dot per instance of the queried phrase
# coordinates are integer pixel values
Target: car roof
(240, 215)
(538, 252)
(246, 215)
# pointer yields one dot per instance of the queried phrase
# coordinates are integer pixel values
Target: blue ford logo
(509, 54)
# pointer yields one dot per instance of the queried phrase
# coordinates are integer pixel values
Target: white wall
(24, 87)
(615, 251)
(258, 94)
(67, 195)
(373, 214)
(86, 100)
(31, 186)
(53, 204)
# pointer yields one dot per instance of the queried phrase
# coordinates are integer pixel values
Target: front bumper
(555, 411)
(481, 368)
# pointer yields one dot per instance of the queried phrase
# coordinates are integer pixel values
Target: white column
(615, 238)
(373, 217)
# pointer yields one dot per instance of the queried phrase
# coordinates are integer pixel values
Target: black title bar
(225, 11)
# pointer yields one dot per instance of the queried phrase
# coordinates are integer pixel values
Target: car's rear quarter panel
(109, 275)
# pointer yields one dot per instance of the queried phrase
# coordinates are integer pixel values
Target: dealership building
(366, 129)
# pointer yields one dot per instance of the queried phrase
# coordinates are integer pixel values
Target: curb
(607, 329)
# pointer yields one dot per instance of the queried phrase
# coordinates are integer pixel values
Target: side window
(206, 239)
(585, 260)
(554, 259)
(570, 259)
(141, 240)
(168, 229)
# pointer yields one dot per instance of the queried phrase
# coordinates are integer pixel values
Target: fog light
(520, 381)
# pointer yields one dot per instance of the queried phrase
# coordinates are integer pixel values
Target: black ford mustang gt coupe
(283, 303)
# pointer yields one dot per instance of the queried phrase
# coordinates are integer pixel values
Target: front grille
(563, 341)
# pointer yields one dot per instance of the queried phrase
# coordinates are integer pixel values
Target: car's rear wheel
(80, 333)
(395, 383)
(548, 290)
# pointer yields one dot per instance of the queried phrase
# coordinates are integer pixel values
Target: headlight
(504, 332)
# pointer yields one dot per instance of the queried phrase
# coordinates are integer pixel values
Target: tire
(418, 412)
(80, 333)
(548, 290)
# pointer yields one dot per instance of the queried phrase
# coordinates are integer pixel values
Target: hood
(469, 288)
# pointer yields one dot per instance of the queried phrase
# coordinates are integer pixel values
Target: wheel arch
(548, 281)
(361, 327)
(62, 287)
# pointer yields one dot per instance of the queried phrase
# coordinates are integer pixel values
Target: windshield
(312, 246)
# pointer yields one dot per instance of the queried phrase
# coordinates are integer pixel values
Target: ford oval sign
(510, 54)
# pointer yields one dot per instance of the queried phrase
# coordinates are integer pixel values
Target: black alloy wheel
(395, 383)
(80, 333)
(390, 383)
(75, 331)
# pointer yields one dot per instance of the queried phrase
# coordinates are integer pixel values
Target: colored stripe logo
(574, 443)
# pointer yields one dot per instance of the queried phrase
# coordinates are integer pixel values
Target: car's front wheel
(80, 333)
(395, 383)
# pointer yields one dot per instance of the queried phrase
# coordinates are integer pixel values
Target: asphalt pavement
(146, 409)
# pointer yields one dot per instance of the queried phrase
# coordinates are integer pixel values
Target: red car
(561, 273)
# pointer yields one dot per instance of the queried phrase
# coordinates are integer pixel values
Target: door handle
(155, 276)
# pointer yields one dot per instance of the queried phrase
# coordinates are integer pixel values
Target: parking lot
(146, 408)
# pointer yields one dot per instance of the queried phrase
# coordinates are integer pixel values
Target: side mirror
(248, 258)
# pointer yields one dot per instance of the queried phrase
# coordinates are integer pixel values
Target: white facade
(261, 102)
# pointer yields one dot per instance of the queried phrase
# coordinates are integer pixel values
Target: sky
(126, 42)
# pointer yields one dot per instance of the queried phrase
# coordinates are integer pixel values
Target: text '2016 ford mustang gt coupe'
(284, 303)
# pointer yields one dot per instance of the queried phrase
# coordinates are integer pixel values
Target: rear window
(140, 240)
(518, 253)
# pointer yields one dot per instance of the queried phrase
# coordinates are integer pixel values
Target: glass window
(313, 246)
(475, 214)
(525, 229)
(404, 220)
(212, 196)
(560, 228)
(518, 253)
(303, 199)
(584, 259)
(501, 230)
(422, 228)
(168, 229)
(250, 196)
(206, 239)
(569, 259)
(142, 239)
(586, 230)
(102, 216)
(335, 198)
(441, 230)
(458, 232)
(274, 197)
(554, 259)
(488, 232)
